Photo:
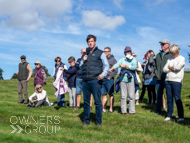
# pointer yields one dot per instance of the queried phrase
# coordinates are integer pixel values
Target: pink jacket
(60, 84)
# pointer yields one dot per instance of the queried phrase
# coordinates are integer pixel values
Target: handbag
(150, 81)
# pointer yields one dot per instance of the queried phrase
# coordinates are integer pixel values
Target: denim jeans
(78, 86)
(173, 89)
(61, 100)
(107, 86)
(160, 87)
(94, 87)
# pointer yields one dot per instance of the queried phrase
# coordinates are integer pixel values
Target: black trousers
(143, 92)
(151, 93)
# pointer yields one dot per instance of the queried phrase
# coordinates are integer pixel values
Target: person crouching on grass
(38, 98)
(173, 82)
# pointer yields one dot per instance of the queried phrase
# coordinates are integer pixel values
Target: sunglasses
(162, 44)
(22, 58)
(58, 61)
(38, 88)
(36, 64)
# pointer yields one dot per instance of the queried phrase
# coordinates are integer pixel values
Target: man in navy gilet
(94, 68)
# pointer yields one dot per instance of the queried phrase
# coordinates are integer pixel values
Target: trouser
(127, 88)
(37, 103)
(173, 89)
(94, 87)
(72, 96)
(143, 92)
(151, 93)
(61, 100)
(137, 95)
(160, 88)
(22, 85)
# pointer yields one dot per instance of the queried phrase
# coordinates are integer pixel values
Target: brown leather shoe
(132, 113)
(123, 113)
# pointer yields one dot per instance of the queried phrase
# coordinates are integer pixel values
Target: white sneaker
(181, 119)
(137, 104)
(52, 104)
(167, 119)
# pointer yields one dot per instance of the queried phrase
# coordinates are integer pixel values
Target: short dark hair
(108, 48)
(57, 58)
(89, 37)
(71, 59)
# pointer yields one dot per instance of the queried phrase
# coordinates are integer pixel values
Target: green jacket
(159, 65)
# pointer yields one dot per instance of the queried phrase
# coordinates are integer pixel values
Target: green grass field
(46, 124)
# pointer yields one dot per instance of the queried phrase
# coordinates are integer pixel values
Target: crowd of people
(93, 74)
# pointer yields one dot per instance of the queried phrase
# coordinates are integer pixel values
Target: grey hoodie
(111, 61)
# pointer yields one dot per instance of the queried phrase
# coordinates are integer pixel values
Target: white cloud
(118, 3)
(70, 29)
(29, 14)
(157, 2)
(99, 20)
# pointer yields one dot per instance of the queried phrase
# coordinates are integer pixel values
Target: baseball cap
(165, 41)
(23, 57)
(145, 56)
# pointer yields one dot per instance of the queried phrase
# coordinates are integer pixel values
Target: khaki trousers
(22, 85)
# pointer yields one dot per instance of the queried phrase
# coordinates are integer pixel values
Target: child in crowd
(71, 78)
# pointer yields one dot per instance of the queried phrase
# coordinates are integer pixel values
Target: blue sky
(44, 29)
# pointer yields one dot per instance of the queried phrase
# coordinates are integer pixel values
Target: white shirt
(39, 96)
(178, 63)
(138, 69)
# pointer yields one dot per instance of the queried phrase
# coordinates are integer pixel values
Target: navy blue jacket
(128, 72)
(71, 74)
(77, 65)
(93, 66)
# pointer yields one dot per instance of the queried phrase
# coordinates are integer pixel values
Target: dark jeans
(173, 89)
(160, 87)
(94, 87)
(61, 100)
(151, 93)
(143, 92)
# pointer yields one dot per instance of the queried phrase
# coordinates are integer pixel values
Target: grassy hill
(46, 124)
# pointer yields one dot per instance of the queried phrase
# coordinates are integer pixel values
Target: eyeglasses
(38, 88)
(58, 61)
(36, 64)
(22, 58)
(106, 51)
